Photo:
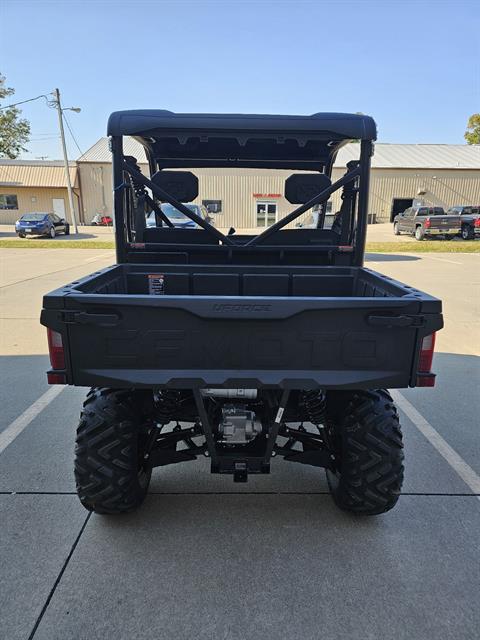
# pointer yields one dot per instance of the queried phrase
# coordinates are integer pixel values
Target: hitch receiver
(240, 472)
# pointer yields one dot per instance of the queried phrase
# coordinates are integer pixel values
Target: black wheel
(67, 229)
(52, 233)
(419, 234)
(366, 439)
(111, 472)
(21, 235)
(467, 232)
(395, 229)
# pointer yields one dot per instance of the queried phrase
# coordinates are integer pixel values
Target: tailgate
(185, 341)
(445, 222)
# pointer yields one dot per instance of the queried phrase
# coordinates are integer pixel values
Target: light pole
(56, 94)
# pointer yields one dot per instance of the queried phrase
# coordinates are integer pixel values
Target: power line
(24, 101)
(71, 133)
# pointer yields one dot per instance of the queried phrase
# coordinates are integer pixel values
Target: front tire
(52, 233)
(395, 229)
(111, 473)
(366, 438)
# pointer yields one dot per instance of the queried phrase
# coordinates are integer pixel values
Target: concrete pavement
(206, 558)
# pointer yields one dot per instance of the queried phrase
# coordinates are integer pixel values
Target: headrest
(302, 187)
(182, 185)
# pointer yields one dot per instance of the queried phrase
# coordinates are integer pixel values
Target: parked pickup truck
(426, 222)
(470, 220)
(239, 348)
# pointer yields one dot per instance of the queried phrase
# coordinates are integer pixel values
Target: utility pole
(56, 93)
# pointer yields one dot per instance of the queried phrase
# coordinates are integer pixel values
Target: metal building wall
(236, 189)
(442, 187)
(42, 201)
(96, 185)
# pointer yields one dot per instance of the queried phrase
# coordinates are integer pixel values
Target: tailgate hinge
(83, 317)
(397, 321)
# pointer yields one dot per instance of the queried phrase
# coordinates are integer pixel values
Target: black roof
(140, 122)
(253, 140)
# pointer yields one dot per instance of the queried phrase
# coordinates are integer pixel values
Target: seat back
(172, 235)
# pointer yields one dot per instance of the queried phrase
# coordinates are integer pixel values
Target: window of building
(213, 206)
(266, 214)
(8, 201)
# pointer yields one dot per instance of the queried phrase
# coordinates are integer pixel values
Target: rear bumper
(452, 231)
(32, 232)
(243, 378)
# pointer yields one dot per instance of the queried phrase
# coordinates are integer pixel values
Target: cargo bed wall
(200, 280)
(336, 328)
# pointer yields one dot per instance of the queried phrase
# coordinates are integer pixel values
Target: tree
(14, 131)
(472, 134)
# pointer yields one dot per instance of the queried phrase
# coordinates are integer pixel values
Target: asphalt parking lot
(204, 558)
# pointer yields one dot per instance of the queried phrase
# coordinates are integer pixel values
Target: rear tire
(110, 470)
(366, 438)
(419, 234)
(467, 232)
(67, 230)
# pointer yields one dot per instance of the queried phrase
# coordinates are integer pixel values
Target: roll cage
(181, 141)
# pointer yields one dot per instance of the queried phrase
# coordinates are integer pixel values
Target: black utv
(236, 347)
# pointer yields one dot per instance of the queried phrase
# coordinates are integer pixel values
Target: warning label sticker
(156, 284)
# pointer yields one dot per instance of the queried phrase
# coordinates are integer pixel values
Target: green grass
(56, 244)
(427, 246)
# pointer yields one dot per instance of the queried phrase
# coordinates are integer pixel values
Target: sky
(414, 65)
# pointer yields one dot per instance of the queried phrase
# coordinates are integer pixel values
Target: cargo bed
(297, 327)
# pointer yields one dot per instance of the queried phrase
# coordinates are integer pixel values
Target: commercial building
(402, 174)
(30, 185)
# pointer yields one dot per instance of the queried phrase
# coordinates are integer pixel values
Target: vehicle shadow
(389, 257)
(104, 233)
(72, 236)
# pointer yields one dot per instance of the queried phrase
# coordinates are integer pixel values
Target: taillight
(56, 378)
(477, 222)
(427, 223)
(56, 350)
(425, 378)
